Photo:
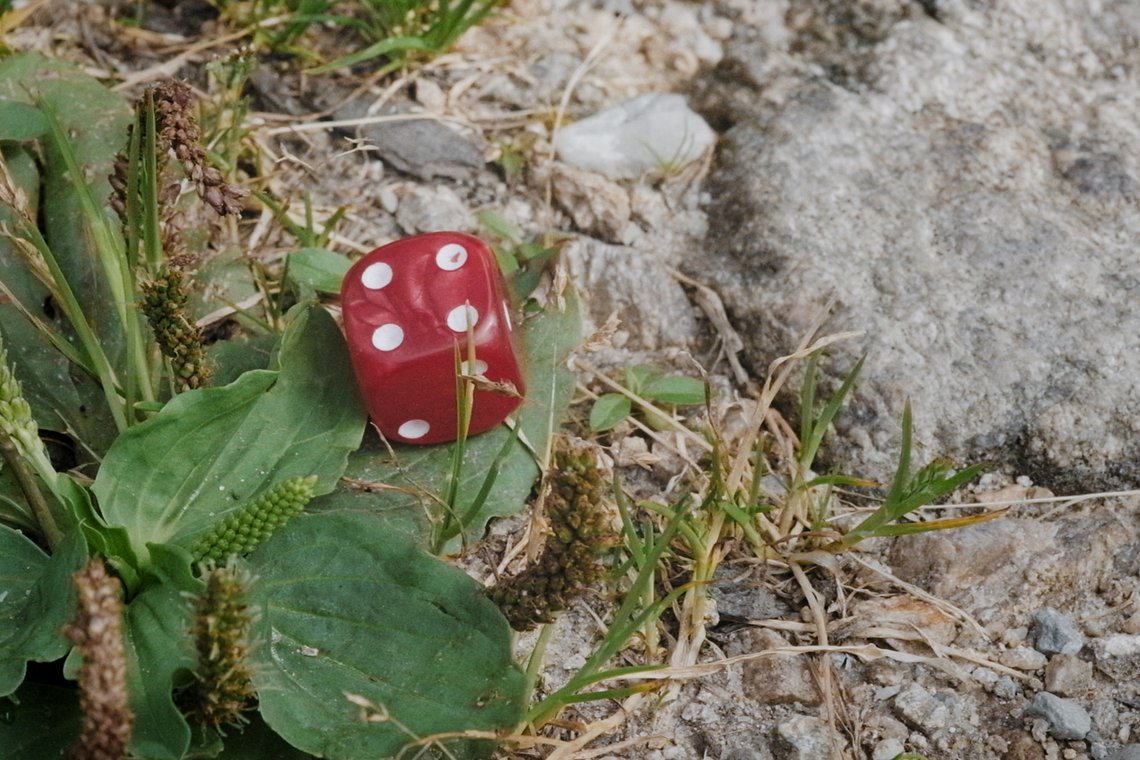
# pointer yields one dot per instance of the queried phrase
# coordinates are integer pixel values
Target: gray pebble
(888, 749)
(1056, 633)
(1068, 675)
(1066, 718)
(1128, 752)
(803, 738)
(1118, 656)
(919, 708)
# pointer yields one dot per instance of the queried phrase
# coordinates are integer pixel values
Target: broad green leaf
(38, 721)
(257, 741)
(95, 120)
(213, 450)
(675, 389)
(403, 489)
(229, 359)
(317, 268)
(62, 398)
(609, 410)
(37, 600)
(349, 607)
(20, 121)
(158, 645)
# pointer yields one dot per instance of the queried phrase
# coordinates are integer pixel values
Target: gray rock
(434, 209)
(1006, 688)
(802, 738)
(1022, 658)
(921, 709)
(1057, 563)
(1105, 714)
(1129, 752)
(757, 750)
(1056, 633)
(636, 285)
(650, 133)
(1068, 675)
(972, 206)
(740, 594)
(888, 749)
(1118, 656)
(1066, 718)
(417, 143)
(598, 206)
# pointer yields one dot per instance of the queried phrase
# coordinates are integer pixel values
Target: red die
(407, 305)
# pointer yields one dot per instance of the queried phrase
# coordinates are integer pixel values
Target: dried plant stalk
(98, 636)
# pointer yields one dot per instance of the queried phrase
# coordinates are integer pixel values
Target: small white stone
(656, 132)
(414, 429)
(479, 367)
(451, 257)
(387, 337)
(376, 276)
(461, 317)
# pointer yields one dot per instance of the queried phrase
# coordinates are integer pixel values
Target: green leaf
(317, 268)
(907, 493)
(348, 607)
(498, 225)
(36, 602)
(257, 741)
(228, 282)
(157, 646)
(609, 410)
(675, 390)
(383, 47)
(639, 376)
(38, 721)
(814, 432)
(232, 358)
(61, 398)
(20, 122)
(95, 120)
(210, 451)
(404, 490)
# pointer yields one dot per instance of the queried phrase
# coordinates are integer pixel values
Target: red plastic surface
(406, 308)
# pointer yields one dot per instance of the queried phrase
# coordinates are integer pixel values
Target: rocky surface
(962, 178)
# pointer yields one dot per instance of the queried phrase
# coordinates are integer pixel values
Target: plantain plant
(261, 556)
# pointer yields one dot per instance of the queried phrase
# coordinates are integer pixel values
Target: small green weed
(395, 31)
(644, 383)
(754, 498)
(522, 261)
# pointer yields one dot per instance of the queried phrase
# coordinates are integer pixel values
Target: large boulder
(964, 180)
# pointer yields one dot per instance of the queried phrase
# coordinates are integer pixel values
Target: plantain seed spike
(242, 531)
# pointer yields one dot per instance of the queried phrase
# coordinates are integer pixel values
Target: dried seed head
(580, 530)
(178, 133)
(98, 636)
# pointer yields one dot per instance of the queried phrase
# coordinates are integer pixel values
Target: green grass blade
(383, 47)
(821, 423)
